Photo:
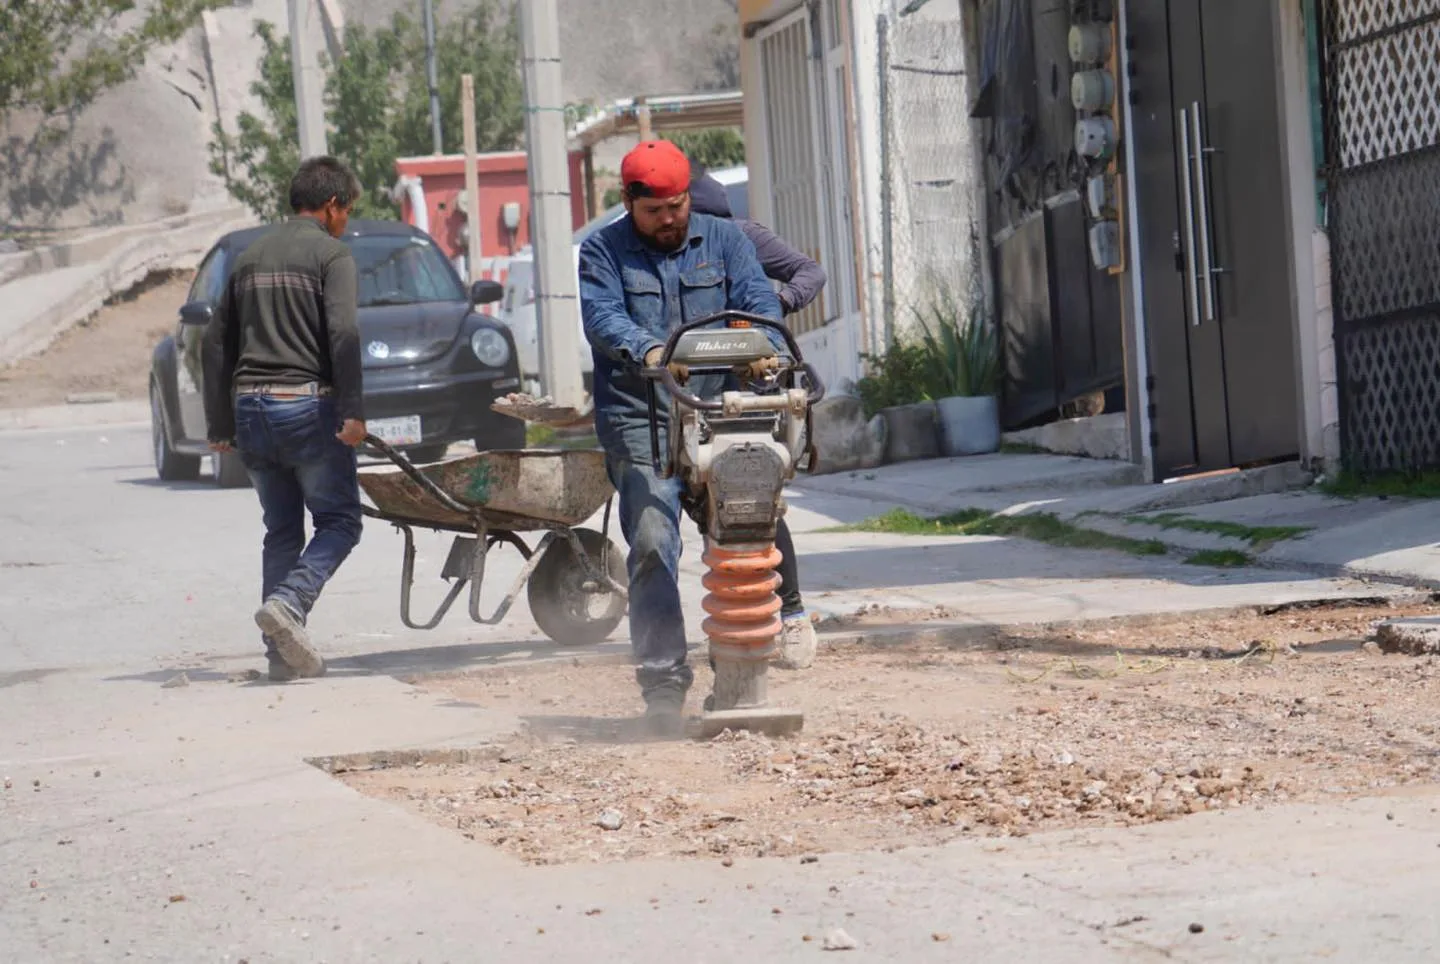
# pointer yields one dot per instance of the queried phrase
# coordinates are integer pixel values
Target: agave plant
(961, 353)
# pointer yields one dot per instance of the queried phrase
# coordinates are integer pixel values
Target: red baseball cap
(659, 168)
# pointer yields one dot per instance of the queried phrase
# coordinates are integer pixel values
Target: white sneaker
(797, 643)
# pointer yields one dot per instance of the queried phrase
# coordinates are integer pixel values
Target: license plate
(397, 431)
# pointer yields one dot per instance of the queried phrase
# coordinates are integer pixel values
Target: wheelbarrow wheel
(562, 608)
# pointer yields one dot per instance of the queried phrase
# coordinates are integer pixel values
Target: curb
(972, 633)
(78, 417)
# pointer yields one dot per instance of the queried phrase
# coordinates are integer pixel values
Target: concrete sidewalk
(1387, 540)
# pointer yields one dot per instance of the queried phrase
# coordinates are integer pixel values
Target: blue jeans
(297, 463)
(650, 520)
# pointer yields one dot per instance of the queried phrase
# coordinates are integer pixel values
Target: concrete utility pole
(436, 134)
(309, 80)
(557, 299)
(472, 177)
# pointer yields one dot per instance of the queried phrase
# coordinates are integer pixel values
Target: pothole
(913, 744)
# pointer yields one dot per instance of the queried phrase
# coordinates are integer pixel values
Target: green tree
(57, 55)
(377, 106)
(482, 42)
(714, 147)
(258, 161)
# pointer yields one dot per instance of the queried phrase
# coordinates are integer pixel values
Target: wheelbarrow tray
(517, 491)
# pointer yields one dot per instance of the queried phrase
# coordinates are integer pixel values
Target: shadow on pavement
(18, 677)
(591, 729)
(402, 664)
(150, 482)
(424, 661)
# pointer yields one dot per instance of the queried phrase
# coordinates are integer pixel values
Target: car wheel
(423, 454)
(170, 465)
(230, 472)
(504, 433)
(559, 602)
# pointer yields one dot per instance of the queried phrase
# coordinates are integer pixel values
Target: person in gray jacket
(801, 280)
(800, 277)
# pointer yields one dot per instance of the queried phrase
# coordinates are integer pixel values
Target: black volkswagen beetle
(432, 363)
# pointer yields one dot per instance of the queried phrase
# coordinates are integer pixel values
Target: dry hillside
(139, 153)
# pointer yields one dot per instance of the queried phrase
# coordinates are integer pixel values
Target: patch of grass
(545, 437)
(1039, 527)
(1258, 536)
(1399, 485)
(1220, 558)
(904, 522)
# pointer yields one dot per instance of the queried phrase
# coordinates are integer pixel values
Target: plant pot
(969, 425)
(911, 432)
(844, 439)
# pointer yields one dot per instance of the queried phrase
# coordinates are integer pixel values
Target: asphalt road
(139, 822)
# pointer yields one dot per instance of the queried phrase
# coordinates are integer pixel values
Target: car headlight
(490, 347)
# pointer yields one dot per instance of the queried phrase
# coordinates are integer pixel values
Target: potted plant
(962, 361)
(895, 390)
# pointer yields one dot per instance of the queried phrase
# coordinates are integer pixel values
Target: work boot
(286, 629)
(797, 642)
(665, 712)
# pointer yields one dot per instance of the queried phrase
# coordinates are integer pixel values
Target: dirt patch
(908, 744)
(108, 353)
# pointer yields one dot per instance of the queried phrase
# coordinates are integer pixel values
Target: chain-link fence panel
(930, 180)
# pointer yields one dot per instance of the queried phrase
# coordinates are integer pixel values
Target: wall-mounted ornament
(1100, 196)
(1105, 245)
(1090, 43)
(1095, 137)
(1092, 90)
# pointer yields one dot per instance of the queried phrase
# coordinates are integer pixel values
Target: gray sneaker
(797, 643)
(281, 671)
(286, 629)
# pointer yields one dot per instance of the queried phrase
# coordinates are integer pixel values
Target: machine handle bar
(661, 373)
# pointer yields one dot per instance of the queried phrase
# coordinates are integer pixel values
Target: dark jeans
(297, 463)
(650, 517)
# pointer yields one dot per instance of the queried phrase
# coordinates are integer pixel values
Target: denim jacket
(631, 297)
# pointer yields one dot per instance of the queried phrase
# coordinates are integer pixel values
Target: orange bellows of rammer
(744, 609)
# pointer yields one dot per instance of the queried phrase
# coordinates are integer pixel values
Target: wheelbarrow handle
(418, 477)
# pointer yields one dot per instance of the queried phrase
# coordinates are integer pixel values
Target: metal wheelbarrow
(574, 577)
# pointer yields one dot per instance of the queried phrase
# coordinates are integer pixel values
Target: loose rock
(838, 940)
(176, 682)
(1197, 928)
(610, 820)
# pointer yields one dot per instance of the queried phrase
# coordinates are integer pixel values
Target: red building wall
(503, 177)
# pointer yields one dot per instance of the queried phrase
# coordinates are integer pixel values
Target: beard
(666, 239)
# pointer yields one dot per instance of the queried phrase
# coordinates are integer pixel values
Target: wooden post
(472, 176)
(642, 117)
(592, 194)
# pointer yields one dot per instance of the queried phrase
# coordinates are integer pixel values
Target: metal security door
(1382, 120)
(1243, 239)
(1212, 222)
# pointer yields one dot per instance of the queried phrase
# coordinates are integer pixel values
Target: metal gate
(790, 136)
(1382, 120)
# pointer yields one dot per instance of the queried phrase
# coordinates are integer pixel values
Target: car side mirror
(486, 292)
(196, 313)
